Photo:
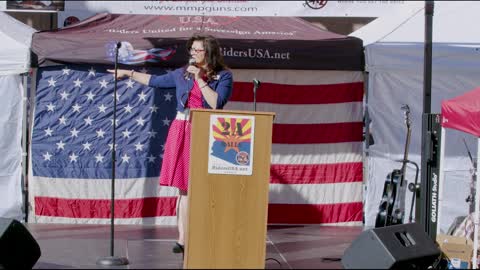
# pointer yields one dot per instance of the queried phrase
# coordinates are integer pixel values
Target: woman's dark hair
(213, 55)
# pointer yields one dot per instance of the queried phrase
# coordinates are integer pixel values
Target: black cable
(329, 259)
(279, 263)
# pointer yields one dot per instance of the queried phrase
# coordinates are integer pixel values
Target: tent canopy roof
(453, 23)
(247, 42)
(396, 42)
(16, 38)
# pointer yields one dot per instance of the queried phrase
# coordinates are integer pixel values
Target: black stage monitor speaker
(18, 248)
(404, 246)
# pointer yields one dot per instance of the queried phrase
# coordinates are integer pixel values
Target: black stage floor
(146, 246)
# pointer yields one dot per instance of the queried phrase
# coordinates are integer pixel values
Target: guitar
(392, 205)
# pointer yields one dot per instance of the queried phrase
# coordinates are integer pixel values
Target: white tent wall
(14, 61)
(394, 61)
(11, 114)
(15, 47)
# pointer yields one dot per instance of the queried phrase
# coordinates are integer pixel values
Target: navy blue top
(222, 84)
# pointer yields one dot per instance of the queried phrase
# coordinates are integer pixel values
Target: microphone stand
(255, 98)
(112, 260)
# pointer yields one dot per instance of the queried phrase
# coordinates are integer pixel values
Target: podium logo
(232, 140)
(242, 158)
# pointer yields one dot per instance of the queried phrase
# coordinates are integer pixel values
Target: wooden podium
(227, 213)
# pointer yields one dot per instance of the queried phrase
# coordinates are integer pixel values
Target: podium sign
(231, 144)
(227, 208)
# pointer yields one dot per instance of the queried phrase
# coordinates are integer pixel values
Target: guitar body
(392, 205)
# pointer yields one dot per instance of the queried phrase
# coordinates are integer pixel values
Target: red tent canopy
(247, 42)
(463, 112)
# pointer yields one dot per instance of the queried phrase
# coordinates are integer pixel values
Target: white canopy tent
(14, 60)
(394, 51)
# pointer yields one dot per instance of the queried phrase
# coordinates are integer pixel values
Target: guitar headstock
(406, 108)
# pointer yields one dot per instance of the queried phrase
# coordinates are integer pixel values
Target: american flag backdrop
(316, 173)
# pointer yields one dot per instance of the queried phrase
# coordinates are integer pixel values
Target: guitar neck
(405, 154)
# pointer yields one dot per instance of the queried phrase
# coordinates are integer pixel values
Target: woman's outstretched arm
(142, 78)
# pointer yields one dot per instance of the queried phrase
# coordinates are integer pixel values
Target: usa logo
(316, 4)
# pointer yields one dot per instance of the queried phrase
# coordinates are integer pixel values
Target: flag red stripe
(99, 208)
(314, 214)
(317, 133)
(165, 206)
(299, 94)
(316, 173)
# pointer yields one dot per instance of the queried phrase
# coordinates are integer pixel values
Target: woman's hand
(121, 73)
(196, 71)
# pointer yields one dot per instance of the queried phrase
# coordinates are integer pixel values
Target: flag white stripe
(133, 188)
(136, 188)
(297, 77)
(306, 113)
(170, 220)
(327, 153)
(164, 221)
(316, 193)
(352, 223)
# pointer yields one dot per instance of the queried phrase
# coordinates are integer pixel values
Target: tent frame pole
(441, 178)
(423, 217)
(24, 179)
(477, 206)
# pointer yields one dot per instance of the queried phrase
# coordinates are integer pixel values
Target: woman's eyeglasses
(196, 50)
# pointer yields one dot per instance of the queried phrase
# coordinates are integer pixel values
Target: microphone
(191, 62)
(256, 85)
(119, 45)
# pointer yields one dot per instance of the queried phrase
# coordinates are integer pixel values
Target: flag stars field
(90, 96)
(64, 95)
(110, 145)
(128, 108)
(47, 156)
(78, 83)
(102, 108)
(142, 96)
(116, 122)
(139, 147)
(126, 133)
(130, 83)
(50, 107)
(103, 83)
(63, 120)
(99, 158)
(66, 71)
(48, 132)
(74, 132)
(87, 146)
(73, 128)
(100, 133)
(91, 72)
(61, 145)
(52, 82)
(166, 121)
(76, 107)
(168, 96)
(125, 158)
(153, 108)
(88, 121)
(73, 157)
(140, 121)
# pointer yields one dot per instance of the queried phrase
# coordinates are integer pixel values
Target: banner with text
(83, 9)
